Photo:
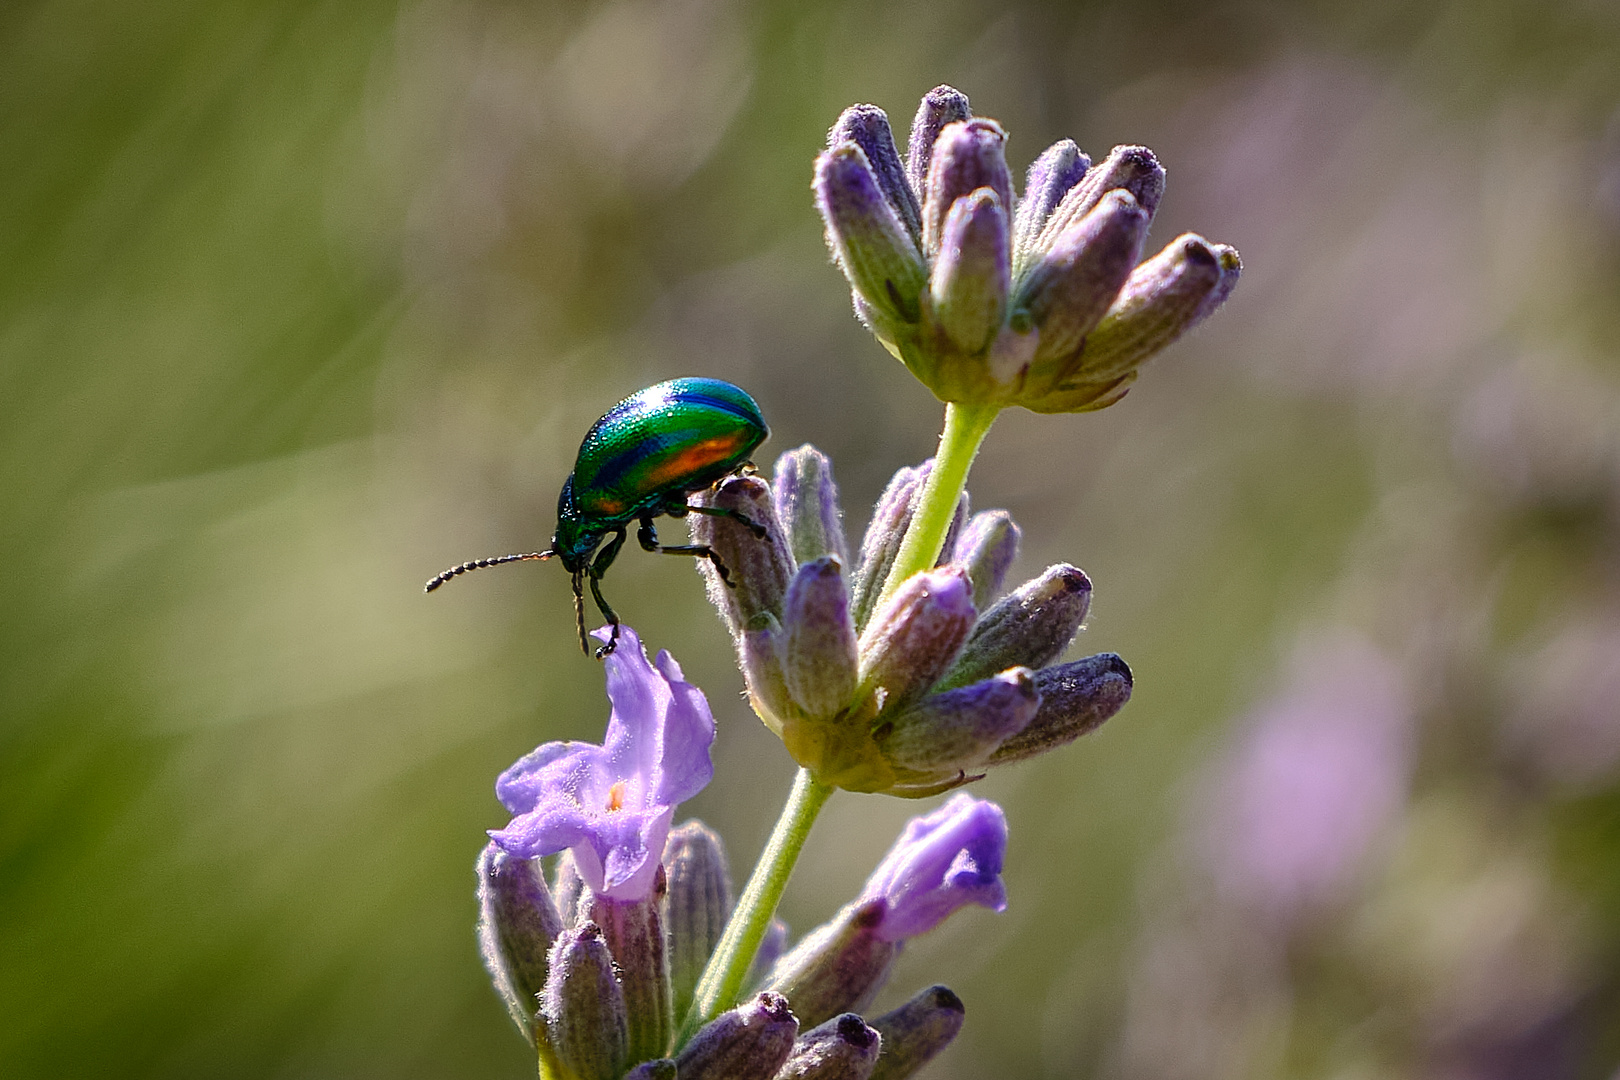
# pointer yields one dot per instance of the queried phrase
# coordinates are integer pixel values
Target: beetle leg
(599, 565)
(701, 551)
(647, 536)
(735, 515)
(649, 541)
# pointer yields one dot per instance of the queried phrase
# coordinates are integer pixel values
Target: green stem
(965, 428)
(722, 981)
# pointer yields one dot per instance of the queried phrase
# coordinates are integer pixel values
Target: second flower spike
(926, 690)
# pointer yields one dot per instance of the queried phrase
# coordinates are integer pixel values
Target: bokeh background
(302, 302)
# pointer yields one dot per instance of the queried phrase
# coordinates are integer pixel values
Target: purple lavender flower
(612, 804)
(943, 861)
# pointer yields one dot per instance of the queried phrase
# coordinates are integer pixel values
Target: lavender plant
(907, 674)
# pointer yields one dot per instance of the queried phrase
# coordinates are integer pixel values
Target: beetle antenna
(479, 564)
(579, 610)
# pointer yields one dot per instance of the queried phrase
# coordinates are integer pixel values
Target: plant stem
(965, 428)
(723, 977)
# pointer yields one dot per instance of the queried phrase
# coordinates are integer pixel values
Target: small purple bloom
(943, 861)
(612, 804)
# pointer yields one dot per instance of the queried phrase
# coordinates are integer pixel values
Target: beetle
(639, 461)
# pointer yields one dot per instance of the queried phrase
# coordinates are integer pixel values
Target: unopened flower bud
(838, 967)
(819, 662)
(751, 1042)
(1131, 168)
(759, 652)
(940, 106)
(568, 889)
(1030, 627)
(1164, 298)
(758, 568)
(867, 126)
(1231, 270)
(662, 1069)
(954, 733)
(891, 517)
(915, 635)
(1070, 288)
(697, 907)
(517, 923)
(843, 1048)
(806, 500)
(634, 934)
(968, 155)
(986, 550)
(1075, 699)
(583, 1007)
(1049, 179)
(916, 1031)
(869, 240)
(972, 273)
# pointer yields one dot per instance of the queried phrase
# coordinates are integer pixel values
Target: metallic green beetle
(642, 459)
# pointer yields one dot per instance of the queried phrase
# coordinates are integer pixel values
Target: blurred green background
(302, 302)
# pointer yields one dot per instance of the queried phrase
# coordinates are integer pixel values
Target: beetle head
(575, 539)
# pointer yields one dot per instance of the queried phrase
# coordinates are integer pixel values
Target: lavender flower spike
(998, 300)
(611, 805)
(943, 861)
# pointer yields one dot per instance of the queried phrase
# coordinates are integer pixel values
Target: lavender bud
(891, 517)
(806, 501)
(819, 662)
(968, 155)
(839, 967)
(662, 1069)
(1069, 289)
(583, 1007)
(751, 1042)
(698, 905)
(1075, 699)
(940, 106)
(1231, 270)
(759, 568)
(916, 1031)
(1164, 298)
(954, 733)
(634, 934)
(867, 126)
(517, 923)
(1030, 627)
(972, 272)
(843, 1048)
(759, 652)
(1049, 179)
(1132, 168)
(915, 635)
(872, 246)
(986, 550)
(569, 890)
